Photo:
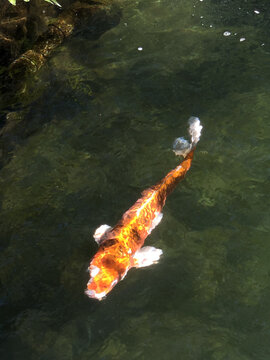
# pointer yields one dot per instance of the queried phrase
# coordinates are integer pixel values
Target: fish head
(105, 272)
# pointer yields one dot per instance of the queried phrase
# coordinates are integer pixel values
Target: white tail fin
(182, 147)
(195, 129)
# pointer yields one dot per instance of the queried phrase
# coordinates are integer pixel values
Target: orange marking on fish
(121, 246)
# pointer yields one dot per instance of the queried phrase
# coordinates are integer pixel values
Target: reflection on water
(98, 132)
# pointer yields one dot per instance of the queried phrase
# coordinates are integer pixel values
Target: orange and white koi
(120, 247)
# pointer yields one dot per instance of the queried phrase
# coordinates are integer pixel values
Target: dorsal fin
(146, 194)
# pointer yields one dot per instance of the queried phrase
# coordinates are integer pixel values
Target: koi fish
(120, 247)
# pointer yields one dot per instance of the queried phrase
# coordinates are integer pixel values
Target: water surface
(97, 129)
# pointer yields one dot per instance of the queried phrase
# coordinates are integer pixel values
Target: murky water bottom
(102, 125)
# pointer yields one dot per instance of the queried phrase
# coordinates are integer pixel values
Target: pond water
(97, 130)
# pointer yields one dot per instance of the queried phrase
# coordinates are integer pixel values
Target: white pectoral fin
(146, 256)
(100, 232)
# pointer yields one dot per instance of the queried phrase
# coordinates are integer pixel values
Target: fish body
(121, 247)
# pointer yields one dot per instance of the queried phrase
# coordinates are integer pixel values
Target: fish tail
(195, 129)
(181, 146)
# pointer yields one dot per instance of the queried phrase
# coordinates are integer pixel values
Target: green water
(97, 129)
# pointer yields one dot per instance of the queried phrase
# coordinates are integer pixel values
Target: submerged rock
(45, 34)
(96, 18)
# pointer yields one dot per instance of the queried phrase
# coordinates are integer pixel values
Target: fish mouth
(94, 295)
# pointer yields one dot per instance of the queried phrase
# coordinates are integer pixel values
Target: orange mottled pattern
(115, 254)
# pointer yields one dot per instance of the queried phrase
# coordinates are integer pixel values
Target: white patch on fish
(94, 270)
(156, 221)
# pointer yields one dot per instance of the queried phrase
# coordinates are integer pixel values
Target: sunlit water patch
(98, 133)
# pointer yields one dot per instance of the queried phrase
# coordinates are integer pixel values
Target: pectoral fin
(100, 232)
(146, 256)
